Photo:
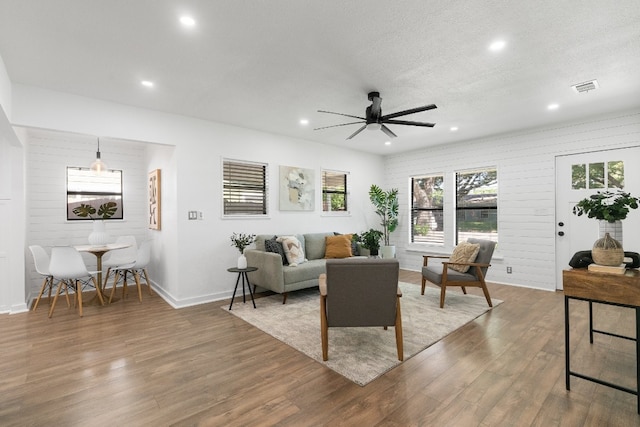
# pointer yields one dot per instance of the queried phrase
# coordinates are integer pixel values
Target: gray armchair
(360, 292)
(444, 276)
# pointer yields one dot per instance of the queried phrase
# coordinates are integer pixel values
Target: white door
(581, 175)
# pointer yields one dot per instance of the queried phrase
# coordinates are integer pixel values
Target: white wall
(191, 257)
(12, 295)
(526, 174)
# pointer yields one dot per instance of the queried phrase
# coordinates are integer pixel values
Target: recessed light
(497, 45)
(304, 122)
(187, 21)
(552, 106)
(146, 83)
(387, 143)
(453, 128)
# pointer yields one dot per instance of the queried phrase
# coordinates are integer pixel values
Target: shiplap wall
(48, 154)
(526, 174)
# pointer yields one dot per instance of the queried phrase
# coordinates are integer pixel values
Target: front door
(581, 175)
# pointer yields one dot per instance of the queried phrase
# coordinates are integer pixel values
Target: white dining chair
(68, 267)
(41, 262)
(119, 257)
(137, 268)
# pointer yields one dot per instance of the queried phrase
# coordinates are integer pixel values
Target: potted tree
(386, 204)
(369, 240)
(610, 209)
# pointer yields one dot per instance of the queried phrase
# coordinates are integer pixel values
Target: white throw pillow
(293, 250)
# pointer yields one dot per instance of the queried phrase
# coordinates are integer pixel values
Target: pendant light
(98, 165)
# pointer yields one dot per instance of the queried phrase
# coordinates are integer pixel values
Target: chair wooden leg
(399, 342)
(115, 282)
(443, 290)
(324, 329)
(486, 293)
(79, 292)
(98, 291)
(106, 279)
(55, 298)
(136, 276)
(124, 285)
(146, 279)
(45, 283)
(424, 284)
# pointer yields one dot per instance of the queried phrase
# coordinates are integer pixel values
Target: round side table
(242, 273)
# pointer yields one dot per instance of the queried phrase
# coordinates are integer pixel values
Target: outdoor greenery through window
(427, 212)
(594, 175)
(334, 191)
(92, 195)
(477, 204)
(244, 188)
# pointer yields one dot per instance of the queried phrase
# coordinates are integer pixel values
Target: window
(244, 188)
(597, 177)
(93, 195)
(334, 191)
(427, 194)
(477, 204)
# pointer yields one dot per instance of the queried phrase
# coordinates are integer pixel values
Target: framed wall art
(154, 199)
(297, 189)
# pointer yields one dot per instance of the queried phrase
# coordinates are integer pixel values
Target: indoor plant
(369, 240)
(607, 205)
(386, 204)
(241, 241)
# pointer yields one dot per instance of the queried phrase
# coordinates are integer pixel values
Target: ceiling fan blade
(411, 111)
(340, 114)
(334, 126)
(386, 130)
(406, 122)
(357, 132)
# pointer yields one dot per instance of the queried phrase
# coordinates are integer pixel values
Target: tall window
(427, 195)
(244, 188)
(334, 191)
(93, 195)
(477, 204)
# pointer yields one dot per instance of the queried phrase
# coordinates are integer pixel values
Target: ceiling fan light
(374, 126)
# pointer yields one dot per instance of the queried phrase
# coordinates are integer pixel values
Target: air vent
(586, 86)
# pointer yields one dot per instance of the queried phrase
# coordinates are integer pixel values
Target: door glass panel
(615, 174)
(579, 177)
(596, 175)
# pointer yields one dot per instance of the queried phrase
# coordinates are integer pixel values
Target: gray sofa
(279, 278)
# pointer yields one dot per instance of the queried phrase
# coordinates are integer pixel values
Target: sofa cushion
(464, 252)
(272, 245)
(314, 245)
(293, 249)
(338, 246)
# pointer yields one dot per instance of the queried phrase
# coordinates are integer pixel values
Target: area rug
(362, 354)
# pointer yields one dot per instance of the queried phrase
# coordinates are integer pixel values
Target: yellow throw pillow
(464, 252)
(338, 246)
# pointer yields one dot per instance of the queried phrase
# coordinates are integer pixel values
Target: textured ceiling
(266, 64)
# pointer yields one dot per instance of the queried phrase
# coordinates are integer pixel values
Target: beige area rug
(362, 354)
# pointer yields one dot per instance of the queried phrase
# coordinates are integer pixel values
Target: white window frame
(347, 195)
(264, 193)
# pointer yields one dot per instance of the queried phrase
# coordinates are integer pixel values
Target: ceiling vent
(586, 86)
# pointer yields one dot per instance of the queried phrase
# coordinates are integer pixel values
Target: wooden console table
(622, 290)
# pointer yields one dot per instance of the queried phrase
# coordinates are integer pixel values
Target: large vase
(607, 251)
(98, 236)
(387, 252)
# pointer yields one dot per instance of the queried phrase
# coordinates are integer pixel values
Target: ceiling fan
(374, 119)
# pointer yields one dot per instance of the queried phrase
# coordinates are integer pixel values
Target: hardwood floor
(147, 364)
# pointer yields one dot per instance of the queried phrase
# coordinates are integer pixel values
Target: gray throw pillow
(270, 245)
